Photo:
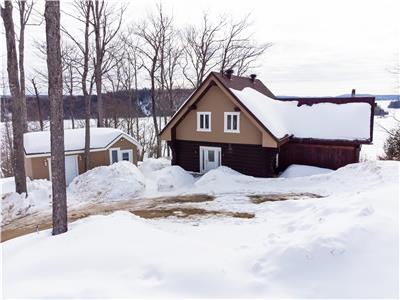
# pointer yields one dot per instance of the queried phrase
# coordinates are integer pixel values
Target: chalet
(238, 122)
(107, 145)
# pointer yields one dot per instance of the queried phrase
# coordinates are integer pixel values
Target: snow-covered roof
(38, 142)
(328, 121)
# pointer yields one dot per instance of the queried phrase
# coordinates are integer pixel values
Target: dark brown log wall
(324, 156)
(251, 160)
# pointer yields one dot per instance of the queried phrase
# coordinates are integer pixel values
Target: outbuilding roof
(38, 142)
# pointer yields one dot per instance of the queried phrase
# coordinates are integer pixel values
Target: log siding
(253, 160)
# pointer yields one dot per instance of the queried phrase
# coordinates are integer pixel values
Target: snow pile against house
(119, 181)
(74, 139)
(301, 170)
(328, 121)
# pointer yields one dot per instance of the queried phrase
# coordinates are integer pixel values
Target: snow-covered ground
(342, 245)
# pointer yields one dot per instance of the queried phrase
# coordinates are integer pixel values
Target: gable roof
(343, 120)
(38, 142)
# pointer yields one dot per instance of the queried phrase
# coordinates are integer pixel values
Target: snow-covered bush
(121, 180)
(172, 177)
(392, 145)
(151, 165)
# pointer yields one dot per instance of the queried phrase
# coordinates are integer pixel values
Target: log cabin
(238, 122)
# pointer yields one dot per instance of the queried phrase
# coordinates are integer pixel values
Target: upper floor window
(203, 121)
(232, 122)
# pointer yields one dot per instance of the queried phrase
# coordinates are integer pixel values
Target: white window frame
(204, 113)
(130, 153)
(226, 114)
(110, 154)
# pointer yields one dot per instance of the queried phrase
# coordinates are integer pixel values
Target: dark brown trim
(248, 111)
(329, 142)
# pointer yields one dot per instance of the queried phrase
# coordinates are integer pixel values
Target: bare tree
(17, 111)
(25, 9)
(38, 105)
(201, 48)
(55, 86)
(153, 34)
(70, 62)
(82, 14)
(106, 21)
(239, 50)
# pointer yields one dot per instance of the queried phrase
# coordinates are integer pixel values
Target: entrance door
(210, 158)
(71, 168)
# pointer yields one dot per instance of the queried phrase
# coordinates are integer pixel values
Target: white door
(71, 168)
(210, 158)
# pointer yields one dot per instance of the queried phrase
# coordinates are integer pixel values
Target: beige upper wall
(216, 102)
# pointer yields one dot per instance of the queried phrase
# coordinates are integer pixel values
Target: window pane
(201, 121)
(114, 156)
(207, 122)
(228, 122)
(211, 156)
(125, 156)
(234, 126)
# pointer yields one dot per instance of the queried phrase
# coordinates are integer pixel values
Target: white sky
(321, 47)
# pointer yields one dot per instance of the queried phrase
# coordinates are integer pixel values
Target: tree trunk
(87, 133)
(17, 113)
(39, 107)
(21, 47)
(55, 85)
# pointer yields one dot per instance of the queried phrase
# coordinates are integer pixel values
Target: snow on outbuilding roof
(38, 142)
(325, 121)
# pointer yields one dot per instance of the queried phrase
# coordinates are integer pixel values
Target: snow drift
(344, 245)
(119, 181)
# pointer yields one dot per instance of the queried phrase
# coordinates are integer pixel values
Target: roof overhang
(79, 151)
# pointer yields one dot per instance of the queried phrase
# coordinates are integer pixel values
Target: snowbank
(349, 121)
(119, 181)
(172, 178)
(15, 205)
(302, 170)
(151, 165)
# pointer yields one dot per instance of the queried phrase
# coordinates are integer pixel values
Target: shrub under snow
(172, 177)
(121, 180)
(151, 165)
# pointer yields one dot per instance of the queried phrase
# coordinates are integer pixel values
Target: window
(114, 155)
(126, 155)
(232, 122)
(204, 121)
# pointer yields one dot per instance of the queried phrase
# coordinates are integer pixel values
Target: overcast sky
(320, 47)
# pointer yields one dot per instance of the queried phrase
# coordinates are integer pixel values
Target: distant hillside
(377, 97)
